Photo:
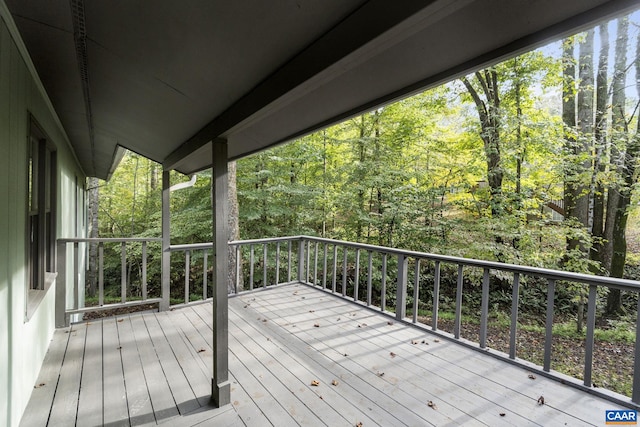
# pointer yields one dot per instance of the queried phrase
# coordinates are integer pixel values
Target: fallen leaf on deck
(338, 319)
(316, 325)
(268, 339)
(303, 298)
(201, 350)
(532, 377)
(315, 383)
(119, 348)
(120, 320)
(541, 400)
(345, 355)
(39, 385)
(247, 305)
(380, 374)
(414, 342)
(334, 382)
(436, 340)
(264, 320)
(502, 414)
(321, 397)
(359, 425)
(392, 354)
(389, 323)
(431, 405)
(311, 311)
(295, 293)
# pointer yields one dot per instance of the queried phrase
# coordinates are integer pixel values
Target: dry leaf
(315, 383)
(392, 354)
(39, 385)
(345, 355)
(431, 405)
(380, 374)
(532, 377)
(295, 293)
(436, 340)
(268, 339)
(246, 306)
(334, 382)
(120, 320)
(321, 397)
(201, 350)
(541, 400)
(317, 325)
(338, 319)
(414, 342)
(389, 323)
(359, 424)
(264, 320)
(502, 414)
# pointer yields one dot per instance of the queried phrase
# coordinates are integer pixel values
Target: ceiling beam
(371, 20)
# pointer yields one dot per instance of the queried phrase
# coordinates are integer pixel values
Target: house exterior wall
(24, 341)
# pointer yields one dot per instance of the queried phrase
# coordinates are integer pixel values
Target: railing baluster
(344, 271)
(278, 263)
(401, 287)
(144, 270)
(289, 263)
(308, 269)
(635, 394)
(356, 281)
(458, 320)
(324, 267)
(515, 296)
(187, 265)
(251, 266)
(484, 309)
(100, 274)
(416, 290)
(123, 272)
(315, 265)
(335, 268)
(591, 324)
(301, 267)
(369, 278)
(548, 338)
(264, 265)
(76, 276)
(238, 267)
(205, 266)
(383, 284)
(436, 296)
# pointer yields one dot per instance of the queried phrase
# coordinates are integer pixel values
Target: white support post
(166, 242)
(220, 386)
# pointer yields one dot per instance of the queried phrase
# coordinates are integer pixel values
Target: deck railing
(77, 306)
(385, 279)
(347, 269)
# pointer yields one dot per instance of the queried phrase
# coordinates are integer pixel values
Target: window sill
(35, 296)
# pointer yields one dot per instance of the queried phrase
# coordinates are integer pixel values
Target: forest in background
(474, 168)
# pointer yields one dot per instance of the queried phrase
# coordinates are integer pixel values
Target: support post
(166, 241)
(220, 386)
(61, 285)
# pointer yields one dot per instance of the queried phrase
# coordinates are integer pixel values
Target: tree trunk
(94, 203)
(600, 135)
(615, 245)
(234, 230)
(489, 114)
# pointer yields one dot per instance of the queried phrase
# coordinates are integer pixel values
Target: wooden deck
(155, 368)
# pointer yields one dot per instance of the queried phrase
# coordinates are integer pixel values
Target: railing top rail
(108, 239)
(624, 284)
(266, 240)
(190, 246)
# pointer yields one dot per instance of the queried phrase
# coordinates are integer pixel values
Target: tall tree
(487, 101)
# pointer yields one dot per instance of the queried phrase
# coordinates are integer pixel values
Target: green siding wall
(26, 340)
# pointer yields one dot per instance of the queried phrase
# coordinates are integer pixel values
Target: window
(41, 221)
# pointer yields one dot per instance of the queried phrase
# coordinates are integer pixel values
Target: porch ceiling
(164, 78)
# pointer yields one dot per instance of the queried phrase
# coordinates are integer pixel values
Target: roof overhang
(165, 78)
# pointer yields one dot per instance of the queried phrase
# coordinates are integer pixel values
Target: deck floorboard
(155, 369)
